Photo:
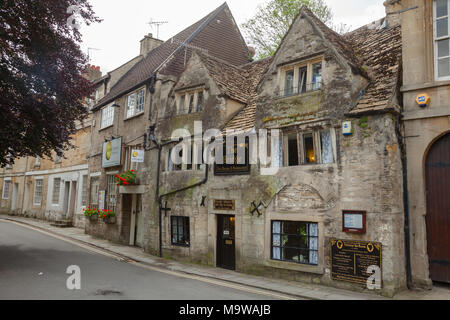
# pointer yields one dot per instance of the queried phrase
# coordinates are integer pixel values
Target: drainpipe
(24, 184)
(406, 204)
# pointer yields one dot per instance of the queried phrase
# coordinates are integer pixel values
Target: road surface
(33, 265)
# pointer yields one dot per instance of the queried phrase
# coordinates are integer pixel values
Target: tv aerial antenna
(89, 53)
(157, 24)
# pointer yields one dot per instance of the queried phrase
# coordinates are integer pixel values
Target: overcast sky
(116, 39)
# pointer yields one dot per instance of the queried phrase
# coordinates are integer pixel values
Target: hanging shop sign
(226, 205)
(112, 153)
(137, 156)
(350, 260)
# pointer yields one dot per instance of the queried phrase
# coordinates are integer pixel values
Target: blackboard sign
(351, 259)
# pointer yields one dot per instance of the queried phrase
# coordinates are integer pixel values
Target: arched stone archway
(437, 174)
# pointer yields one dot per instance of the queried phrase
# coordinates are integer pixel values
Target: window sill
(316, 269)
(105, 128)
(135, 116)
(180, 246)
(298, 95)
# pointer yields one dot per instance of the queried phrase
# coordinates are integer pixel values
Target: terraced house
(331, 212)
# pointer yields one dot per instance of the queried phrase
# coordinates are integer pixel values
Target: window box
(127, 178)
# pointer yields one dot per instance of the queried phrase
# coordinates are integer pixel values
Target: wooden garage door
(438, 209)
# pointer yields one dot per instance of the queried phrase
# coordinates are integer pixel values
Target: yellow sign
(423, 100)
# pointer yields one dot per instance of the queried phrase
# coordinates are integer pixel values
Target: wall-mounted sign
(347, 128)
(227, 205)
(350, 260)
(354, 221)
(423, 100)
(240, 166)
(101, 200)
(137, 156)
(112, 153)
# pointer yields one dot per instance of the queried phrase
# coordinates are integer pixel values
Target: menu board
(351, 259)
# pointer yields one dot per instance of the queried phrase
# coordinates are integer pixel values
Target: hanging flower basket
(108, 216)
(126, 179)
(91, 214)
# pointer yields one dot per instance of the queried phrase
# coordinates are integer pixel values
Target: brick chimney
(392, 12)
(149, 43)
(93, 72)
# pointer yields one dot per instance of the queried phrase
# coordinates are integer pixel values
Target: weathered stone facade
(353, 78)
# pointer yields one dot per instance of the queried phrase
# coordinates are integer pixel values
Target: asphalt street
(33, 265)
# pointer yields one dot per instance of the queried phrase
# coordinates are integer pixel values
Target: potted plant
(91, 214)
(108, 216)
(126, 179)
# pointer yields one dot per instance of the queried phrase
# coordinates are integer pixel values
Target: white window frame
(436, 40)
(35, 196)
(6, 191)
(107, 115)
(54, 191)
(132, 109)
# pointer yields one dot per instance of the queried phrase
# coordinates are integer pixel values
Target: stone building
(51, 189)
(336, 101)
(426, 117)
(134, 104)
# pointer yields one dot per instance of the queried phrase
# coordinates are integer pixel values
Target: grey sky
(126, 22)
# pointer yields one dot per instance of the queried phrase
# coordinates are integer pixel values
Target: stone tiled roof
(224, 42)
(380, 50)
(245, 119)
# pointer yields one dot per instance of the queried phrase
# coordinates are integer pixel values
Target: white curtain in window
(313, 243)
(327, 148)
(277, 152)
(276, 235)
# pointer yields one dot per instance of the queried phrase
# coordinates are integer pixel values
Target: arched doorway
(437, 169)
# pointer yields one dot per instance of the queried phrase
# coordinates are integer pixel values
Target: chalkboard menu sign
(351, 259)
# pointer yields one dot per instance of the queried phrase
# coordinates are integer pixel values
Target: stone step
(62, 224)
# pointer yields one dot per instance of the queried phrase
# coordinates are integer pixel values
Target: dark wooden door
(438, 209)
(226, 242)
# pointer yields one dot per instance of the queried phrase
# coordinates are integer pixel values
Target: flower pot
(110, 220)
(93, 218)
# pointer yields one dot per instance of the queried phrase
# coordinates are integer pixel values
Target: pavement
(279, 288)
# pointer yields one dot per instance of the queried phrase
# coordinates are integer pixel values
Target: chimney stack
(392, 12)
(93, 72)
(149, 43)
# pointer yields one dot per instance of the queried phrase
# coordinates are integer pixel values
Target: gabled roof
(381, 52)
(224, 41)
(245, 119)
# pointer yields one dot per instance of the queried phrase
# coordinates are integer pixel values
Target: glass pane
(304, 256)
(291, 254)
(276, 240)
(443, 48)
(293, 150)
(182, 100)
(442, 27)
(313, 243)
(310, 155)
(303, 76)
(441, 8)
(191, 103)
(276, 227)
(444, 67)
(200, 102)
(317, 76)
(289, 84)
(276, 253)
(327, 149)
(313, 229)
(314, 257)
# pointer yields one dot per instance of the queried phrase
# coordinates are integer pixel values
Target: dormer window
(190, 101)
(136, 103)
(301, 78)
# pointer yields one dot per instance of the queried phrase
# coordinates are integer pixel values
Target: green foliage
(363, 122)
(272, 21)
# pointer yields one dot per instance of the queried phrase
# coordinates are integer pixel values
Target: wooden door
(226, 242)
(438, 209)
